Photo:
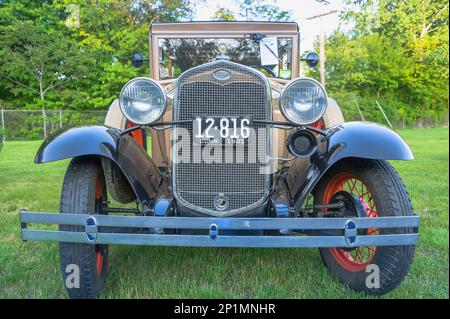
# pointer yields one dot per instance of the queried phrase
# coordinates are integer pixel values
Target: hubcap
(358, 258)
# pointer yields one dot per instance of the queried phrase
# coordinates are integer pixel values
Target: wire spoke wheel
(358, 258)
(376, 190)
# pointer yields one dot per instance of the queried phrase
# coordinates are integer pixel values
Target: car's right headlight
(142, 101)
(303, 101)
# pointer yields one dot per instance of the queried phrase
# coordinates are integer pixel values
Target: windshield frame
(215, 34)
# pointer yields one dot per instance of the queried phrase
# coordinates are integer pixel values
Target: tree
(396, 51)
(105, 36)
(254, 10)
(111, 31)
(35, 60)
(223, 14)
(261, 10)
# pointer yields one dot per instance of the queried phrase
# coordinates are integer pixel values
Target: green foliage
(262, 10)
(28, 125)
(254, 10)
(43, 62)
(35, 57)
(396, 53)
(223, 14)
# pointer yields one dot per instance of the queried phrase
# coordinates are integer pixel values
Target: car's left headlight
(303, 101)
(142, 101)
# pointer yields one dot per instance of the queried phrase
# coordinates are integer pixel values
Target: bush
(29, 125)
(399, 113)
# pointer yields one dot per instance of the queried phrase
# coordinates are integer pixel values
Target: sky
(300, 10)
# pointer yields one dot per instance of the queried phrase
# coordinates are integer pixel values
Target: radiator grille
(238, 174)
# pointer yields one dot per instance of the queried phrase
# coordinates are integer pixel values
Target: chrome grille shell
(206, 91)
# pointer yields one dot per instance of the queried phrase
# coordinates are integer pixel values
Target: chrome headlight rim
(154, 82)
(286, 88)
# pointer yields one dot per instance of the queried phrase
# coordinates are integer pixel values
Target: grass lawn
(31, 270)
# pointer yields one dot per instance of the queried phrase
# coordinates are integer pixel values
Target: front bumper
(99, 229)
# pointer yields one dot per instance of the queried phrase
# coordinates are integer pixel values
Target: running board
(406, 232)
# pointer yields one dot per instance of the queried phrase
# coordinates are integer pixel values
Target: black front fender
(100, 141)
(365, 140)
(346, 140)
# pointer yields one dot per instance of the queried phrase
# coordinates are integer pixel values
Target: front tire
(381, 192)
(83, 192)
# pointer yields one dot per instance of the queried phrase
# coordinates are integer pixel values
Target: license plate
(221, 130)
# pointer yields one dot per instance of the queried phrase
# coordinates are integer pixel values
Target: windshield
(272, 56)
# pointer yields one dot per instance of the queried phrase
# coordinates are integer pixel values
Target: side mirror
(138, 60)
(312, 59)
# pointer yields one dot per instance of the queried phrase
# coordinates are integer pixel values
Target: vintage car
(245, 152)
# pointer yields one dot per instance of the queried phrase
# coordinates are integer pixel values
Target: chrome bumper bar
(406, 234)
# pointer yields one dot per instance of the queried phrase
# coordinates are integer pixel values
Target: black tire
(391, 198)
(79, 192)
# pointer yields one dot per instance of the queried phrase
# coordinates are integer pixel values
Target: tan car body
(161, 139)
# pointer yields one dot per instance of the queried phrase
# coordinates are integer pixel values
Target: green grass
(31, 269)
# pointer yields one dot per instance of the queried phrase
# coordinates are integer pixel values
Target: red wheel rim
(98, 252)
(98, 260)
(358, 258)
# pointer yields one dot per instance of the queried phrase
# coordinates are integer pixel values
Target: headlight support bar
(283, 125)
